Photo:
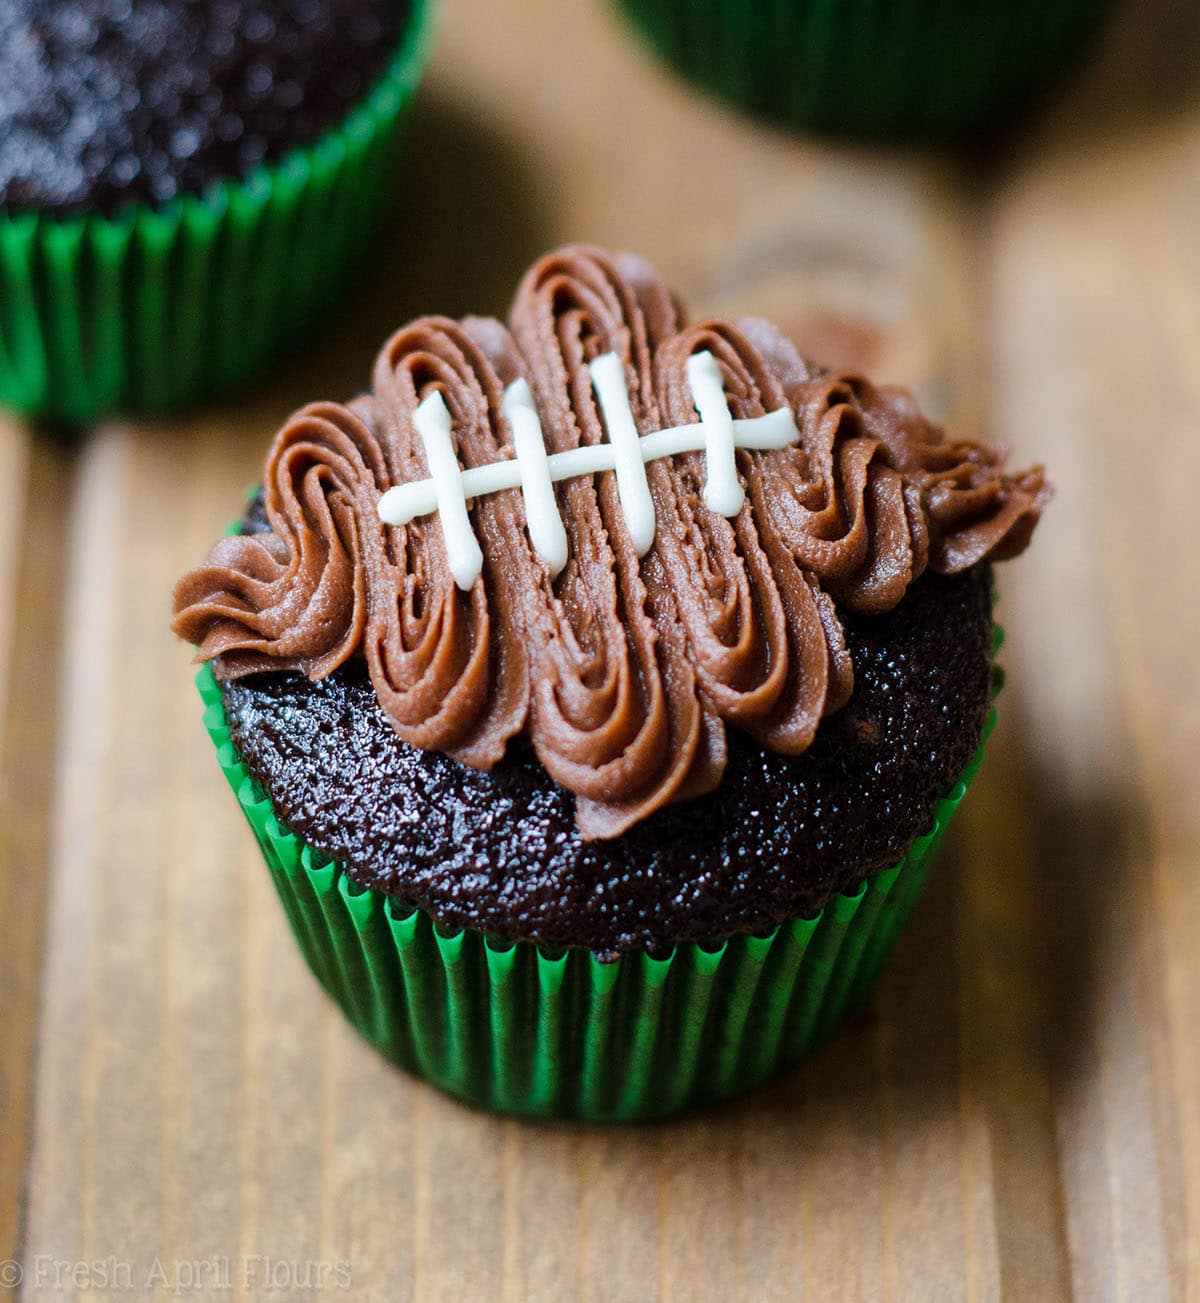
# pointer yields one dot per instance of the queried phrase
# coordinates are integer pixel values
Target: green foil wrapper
(157, 308)
(558, 1033)
(907, 69)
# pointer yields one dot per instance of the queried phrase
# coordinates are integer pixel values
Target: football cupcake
(908, 69)
(183, 185)
(599, 686)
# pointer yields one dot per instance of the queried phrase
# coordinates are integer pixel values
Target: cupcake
(915, 70)
(184, 185)
(598, 687)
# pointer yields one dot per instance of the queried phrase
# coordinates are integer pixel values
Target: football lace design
(622, 618)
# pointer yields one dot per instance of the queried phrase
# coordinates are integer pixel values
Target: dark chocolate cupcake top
(498, 851)
(600, 529)
(103, 102)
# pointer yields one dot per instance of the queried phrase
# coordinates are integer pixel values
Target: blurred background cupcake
(184, 185)
(919, 70)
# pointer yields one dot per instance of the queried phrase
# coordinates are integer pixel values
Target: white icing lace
(535, 472)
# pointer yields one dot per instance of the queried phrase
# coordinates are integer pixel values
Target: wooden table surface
(1018, 1116)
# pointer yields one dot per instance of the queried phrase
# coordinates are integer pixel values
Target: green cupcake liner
(908, 69)
(156, 308)
(558, 1033)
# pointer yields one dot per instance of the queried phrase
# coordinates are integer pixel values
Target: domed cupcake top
(107, 101)
(602, 527)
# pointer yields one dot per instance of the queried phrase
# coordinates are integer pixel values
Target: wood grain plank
(60, 1210)
(1096, 278)
(32, 564)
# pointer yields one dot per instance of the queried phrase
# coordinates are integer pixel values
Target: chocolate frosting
(623, 671)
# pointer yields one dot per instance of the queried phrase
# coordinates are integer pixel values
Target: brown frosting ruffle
(623, 671)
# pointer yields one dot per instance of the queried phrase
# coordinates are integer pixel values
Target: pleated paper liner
(905, 69)
(557, 1033)
(157, 308)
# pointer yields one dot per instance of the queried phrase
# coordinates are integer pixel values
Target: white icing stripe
(608, 380)
(534, 472)
(546, 530)
(463, 553)
(723, 491)
(405, 502)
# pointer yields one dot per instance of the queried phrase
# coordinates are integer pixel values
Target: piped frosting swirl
(623, 669)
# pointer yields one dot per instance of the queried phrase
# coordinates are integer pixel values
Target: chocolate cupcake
(908, 69)
(183, 186)
(599, 687)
